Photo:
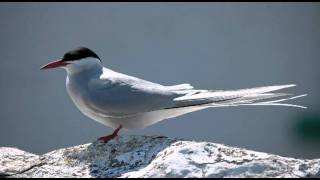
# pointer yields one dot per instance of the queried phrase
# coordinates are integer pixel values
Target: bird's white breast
(78, 95)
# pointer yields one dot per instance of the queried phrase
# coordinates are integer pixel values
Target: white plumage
(118, 100)
(115, 99)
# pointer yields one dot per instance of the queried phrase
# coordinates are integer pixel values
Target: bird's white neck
(84, 66)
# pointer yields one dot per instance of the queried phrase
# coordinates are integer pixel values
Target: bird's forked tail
(242, 97)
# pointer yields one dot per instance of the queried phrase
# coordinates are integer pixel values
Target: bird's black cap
(79, 53)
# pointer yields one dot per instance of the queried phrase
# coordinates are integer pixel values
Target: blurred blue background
(210, 45)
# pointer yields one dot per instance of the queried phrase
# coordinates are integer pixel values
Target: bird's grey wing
(118, 94)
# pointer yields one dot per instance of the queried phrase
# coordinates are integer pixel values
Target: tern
(121, 101)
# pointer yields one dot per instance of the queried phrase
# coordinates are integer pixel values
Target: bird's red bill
(54, 64)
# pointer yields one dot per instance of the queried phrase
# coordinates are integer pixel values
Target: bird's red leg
(107, 138)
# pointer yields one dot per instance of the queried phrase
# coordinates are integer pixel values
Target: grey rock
(153, 156)
(14, 161)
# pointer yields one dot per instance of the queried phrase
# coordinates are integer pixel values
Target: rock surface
(153, 156)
